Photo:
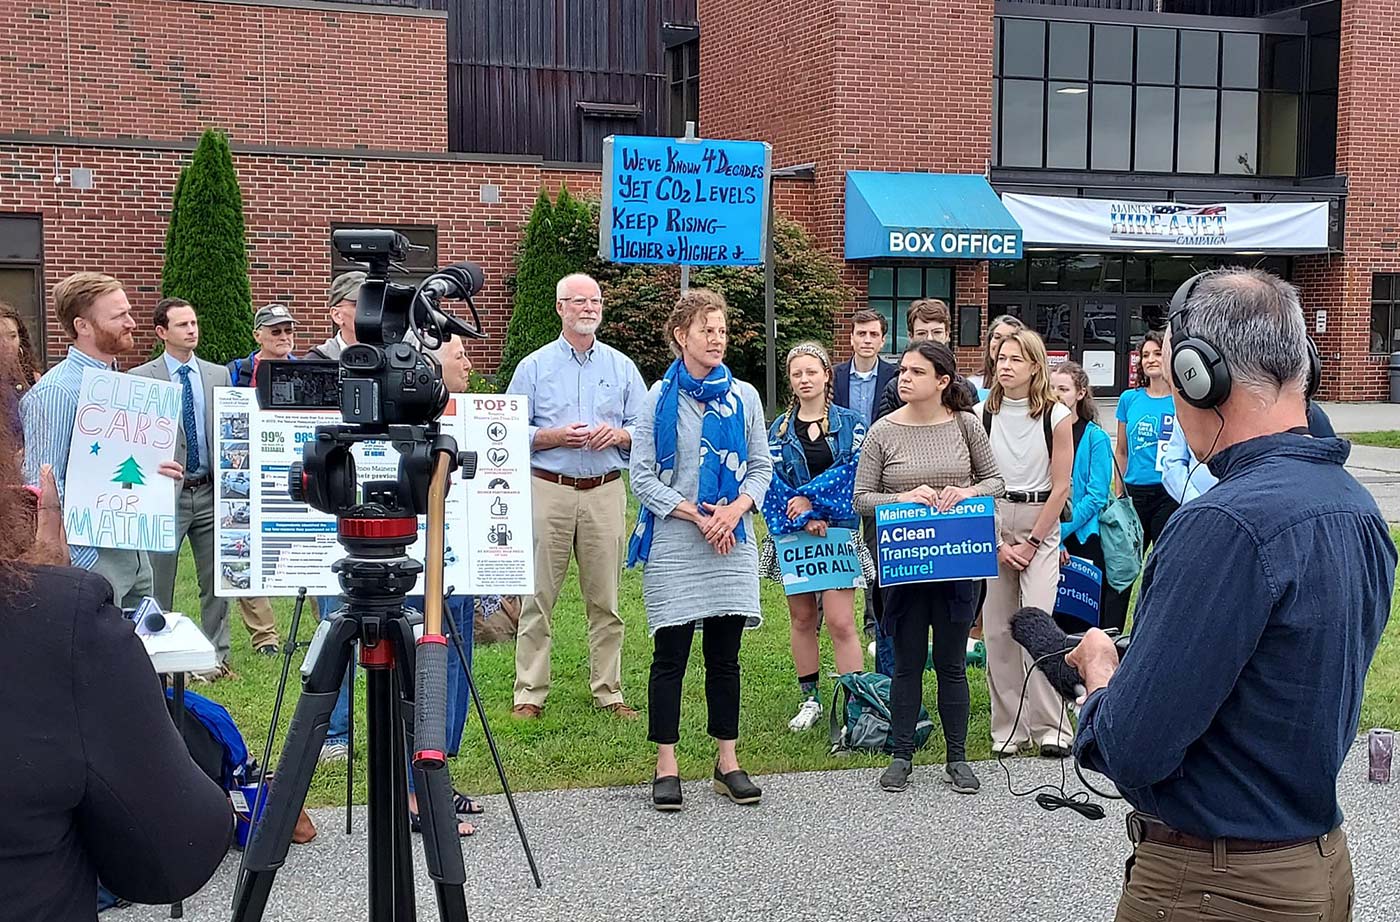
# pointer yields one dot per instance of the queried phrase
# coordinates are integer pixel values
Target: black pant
(1154, 505)
(1113, 605)
(670, 651)
(914, 611)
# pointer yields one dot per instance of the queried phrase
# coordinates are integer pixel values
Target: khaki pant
(260, 621)
(1312, 881)
(1043, 717)
(590, 525)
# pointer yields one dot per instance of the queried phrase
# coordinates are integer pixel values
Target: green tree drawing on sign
(129, 473)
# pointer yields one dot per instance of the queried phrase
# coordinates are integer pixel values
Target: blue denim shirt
(845, 433)
(1261, 608)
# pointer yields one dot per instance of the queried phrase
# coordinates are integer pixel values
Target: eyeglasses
(583, 302)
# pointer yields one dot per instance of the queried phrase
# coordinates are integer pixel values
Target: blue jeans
(461, 609)
(339, 732)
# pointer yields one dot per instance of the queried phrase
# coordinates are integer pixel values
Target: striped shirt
(47, 412)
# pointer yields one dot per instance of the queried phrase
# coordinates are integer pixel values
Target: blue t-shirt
(1148, 422)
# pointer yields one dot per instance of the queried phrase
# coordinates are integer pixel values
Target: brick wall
(1368, 111)
(290, 203)
(168, 69)
(854, 84)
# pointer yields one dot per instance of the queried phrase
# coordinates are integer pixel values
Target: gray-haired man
(584, 400)
(1259, 614)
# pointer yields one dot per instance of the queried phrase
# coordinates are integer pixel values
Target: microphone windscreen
(1037, 632)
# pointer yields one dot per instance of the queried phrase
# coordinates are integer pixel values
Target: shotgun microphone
(1047, 643)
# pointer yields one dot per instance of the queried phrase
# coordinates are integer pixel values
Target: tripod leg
(442, 848)
(268, 849)
(404, 903)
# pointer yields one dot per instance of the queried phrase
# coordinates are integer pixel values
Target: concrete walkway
(821, 846)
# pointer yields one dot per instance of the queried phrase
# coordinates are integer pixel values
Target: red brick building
(1262, 124)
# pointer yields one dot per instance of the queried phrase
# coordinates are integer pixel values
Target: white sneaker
(334, 752)
(807, 716)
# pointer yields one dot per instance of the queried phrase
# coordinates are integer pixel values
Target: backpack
(867, 712)
(1120, 536)
(214, 742)
(1067, 513)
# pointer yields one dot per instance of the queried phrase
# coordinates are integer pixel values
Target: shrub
(561, 237)
(206, 255)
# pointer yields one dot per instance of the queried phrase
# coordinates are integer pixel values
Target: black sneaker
(737, 787)
(961, 777)
(268, 650)
(896, 777)
(1051, 751)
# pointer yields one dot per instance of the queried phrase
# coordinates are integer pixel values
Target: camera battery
(1380, 744)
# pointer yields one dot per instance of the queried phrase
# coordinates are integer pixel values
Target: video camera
(383, 379)
(383, 385)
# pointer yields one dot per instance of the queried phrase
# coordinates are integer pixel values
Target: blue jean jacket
(845, 433)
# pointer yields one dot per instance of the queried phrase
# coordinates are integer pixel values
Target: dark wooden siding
(519, 70)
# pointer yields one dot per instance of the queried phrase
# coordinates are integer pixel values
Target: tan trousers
(1043, 717)
(592, 526)
(1312, 881)
(260, 621)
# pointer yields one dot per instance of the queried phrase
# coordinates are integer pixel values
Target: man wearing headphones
(1260, 610)
(1183, 475)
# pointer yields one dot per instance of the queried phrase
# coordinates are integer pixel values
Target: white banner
(1109, 224)
(115, 495)
(269, 545)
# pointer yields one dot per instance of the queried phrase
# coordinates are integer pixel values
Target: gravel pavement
(821, 846)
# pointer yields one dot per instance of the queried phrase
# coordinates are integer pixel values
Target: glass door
(1100, 321)
(1053, 319)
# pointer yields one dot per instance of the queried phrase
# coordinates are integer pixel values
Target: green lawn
(1389, 438)
(575, 746)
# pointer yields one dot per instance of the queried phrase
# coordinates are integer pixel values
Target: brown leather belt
(1145, 828)
(578, 483)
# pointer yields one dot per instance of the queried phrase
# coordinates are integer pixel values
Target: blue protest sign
(812, 564)
(1081, 584)
(917, 544)
(692, 202)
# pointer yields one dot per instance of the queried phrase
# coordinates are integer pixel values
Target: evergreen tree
(129, 473)
(206, 256)
(561, 237)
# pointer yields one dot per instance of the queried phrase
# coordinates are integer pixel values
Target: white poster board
(270, 545)
(1101, 365)
(114, 494)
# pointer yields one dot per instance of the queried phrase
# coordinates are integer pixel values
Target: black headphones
(1197, 368)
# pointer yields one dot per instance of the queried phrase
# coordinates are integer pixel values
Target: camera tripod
(406, 684)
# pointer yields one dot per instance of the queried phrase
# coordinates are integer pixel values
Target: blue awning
(927, 216)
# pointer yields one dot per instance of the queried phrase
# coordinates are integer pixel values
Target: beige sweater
(896, 458)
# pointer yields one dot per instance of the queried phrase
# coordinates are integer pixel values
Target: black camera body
(384, 386)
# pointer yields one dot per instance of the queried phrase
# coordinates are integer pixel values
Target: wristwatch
(1034, 541)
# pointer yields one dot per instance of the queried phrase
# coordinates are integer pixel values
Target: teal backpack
(867, 713)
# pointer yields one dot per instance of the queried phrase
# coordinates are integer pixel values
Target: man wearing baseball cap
(273, 327)
(344, 295)
(273, 330)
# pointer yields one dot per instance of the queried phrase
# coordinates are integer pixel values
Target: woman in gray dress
(699, 466)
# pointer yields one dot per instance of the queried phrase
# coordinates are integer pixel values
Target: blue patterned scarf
(724, 446)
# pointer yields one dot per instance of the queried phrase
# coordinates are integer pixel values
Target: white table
(182, 649)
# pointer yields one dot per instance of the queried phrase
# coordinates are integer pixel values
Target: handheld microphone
(1046, 642)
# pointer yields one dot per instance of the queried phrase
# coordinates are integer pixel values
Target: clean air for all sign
(954, 244)
(1265, 227)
